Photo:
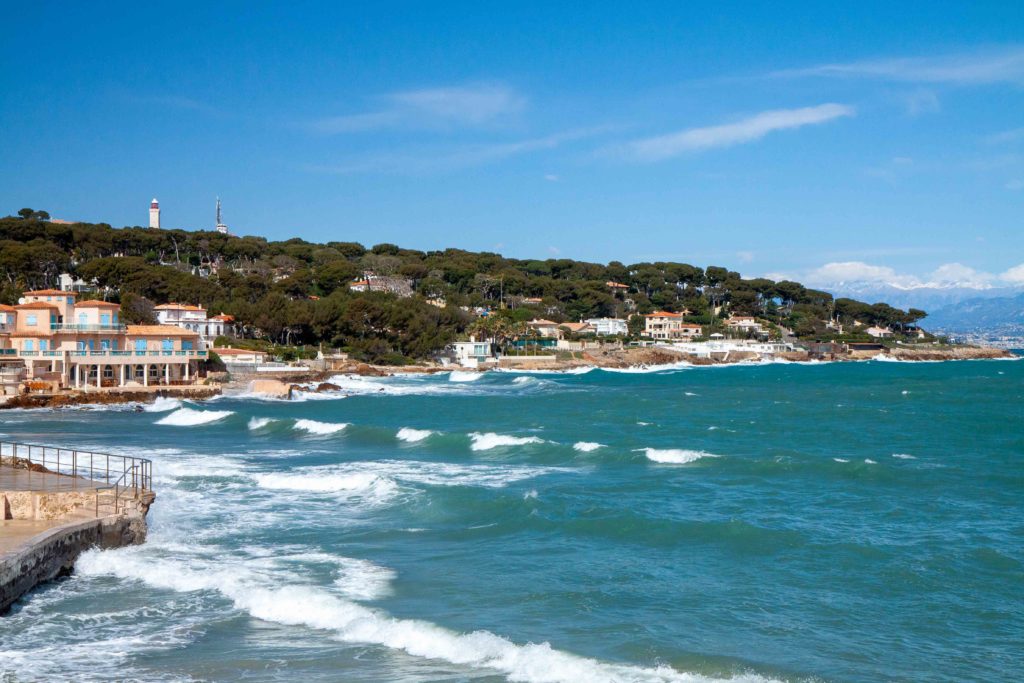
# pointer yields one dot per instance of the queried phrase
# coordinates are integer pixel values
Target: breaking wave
(162, 404)
(260, 422)
(675, 456)
(269, 596)
(463, 376)
(320, 428)
(412, 435)
(187, 417)
(587, 446)
(485, 442)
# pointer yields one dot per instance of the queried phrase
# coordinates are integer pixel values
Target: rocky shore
(77, 398)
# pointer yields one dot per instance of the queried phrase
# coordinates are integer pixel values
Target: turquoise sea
(778, 522)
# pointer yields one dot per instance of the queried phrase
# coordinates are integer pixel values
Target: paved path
(15, 532)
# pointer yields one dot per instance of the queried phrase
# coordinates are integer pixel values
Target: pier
(55, 503)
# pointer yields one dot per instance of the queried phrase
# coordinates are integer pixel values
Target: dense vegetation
(296, 292)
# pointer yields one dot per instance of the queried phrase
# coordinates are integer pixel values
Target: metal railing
(115, 478)
(84, 327)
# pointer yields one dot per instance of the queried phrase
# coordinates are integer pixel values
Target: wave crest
(187, 417)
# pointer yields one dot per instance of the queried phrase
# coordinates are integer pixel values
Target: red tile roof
(49, 292)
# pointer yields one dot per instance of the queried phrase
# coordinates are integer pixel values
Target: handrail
(112, 471)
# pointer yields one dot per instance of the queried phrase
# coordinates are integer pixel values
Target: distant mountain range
(951, 308)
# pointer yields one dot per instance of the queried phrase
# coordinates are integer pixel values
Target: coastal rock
(274, 388)
(327, 386)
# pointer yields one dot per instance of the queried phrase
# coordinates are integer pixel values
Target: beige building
(668, 326)
(51, 338)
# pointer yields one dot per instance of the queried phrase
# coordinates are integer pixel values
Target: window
(167, 344)
(82, 319)
(31, 320)
(29, 345)
(140, 344)
(42, 344)
(71, 299)
(186, 346)
(81, 345)
(105, 344)
(105, 319)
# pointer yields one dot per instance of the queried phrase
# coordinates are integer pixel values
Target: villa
(879, 332)
(743, 323)
(544, 328)
(194, 318)
(670, 326)
(50, 338)
(609, 327)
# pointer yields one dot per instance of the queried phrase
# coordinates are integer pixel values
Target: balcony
(69, 327)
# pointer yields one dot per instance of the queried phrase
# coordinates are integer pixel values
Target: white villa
(544, 328)
(608, 327)
(194, 318)
(879, 332)
(473, 353)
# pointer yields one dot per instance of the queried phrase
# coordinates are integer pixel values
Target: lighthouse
(154, 214)
(221, 228)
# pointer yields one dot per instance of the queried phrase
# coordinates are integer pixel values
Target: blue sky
(872, 140)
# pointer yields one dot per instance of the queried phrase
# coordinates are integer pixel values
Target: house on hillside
(879, 332)
(668, 326)
(743, 323)
(580, 328)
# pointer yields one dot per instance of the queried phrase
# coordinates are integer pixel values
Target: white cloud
(945, 276)
(445, 159)
(1014, 276)
(1003, 65)
(746, 130)
(466, 105)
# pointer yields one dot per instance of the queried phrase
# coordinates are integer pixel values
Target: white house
(608, 327)
(194, 318)
(471, 354)
(879, 332)
(743, 323)
(232, 356)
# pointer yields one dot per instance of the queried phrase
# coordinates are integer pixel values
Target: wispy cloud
(466, 105)
(1001, 65)
(726, 135)
(430, 159)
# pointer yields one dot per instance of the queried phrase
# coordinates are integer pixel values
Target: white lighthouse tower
(154, 214)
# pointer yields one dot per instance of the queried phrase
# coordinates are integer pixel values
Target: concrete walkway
(12, 479)
(15, 533)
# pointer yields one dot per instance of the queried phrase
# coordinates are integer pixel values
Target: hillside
(999, 315)
(299, 293)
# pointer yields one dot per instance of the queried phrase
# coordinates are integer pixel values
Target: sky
(876, 141)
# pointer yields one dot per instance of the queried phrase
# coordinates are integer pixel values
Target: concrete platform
(12, 479)
(15, 533)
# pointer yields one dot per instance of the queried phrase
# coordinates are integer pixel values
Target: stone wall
(53, 552)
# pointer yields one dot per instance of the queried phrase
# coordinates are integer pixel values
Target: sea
(747, 523)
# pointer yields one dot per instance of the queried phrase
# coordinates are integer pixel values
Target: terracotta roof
(575, 327)
(49, 292)
(35, 305)
(178, 307)
(5, 307)
(663, 314)
(224, 317)
(541, 323)
(160, 330)
(616, 285)
(96, 304)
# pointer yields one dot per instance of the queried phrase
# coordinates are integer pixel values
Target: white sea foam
(260, 422)
(587, 446)
(675, 456)
(530, 495)
(412, 435)
(363, 580)
(841, 459)
(275, 597)
(187, 417)
(320, 428)
(903, 456)
(162, 404)
(364, 486)
(648, 369)
(462, 376)
(690, 393)
(869, 461)
(485, 442)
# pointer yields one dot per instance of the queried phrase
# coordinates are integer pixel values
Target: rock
(271, 387)
(326, 386)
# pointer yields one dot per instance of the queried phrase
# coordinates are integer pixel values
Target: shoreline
(643, 359)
